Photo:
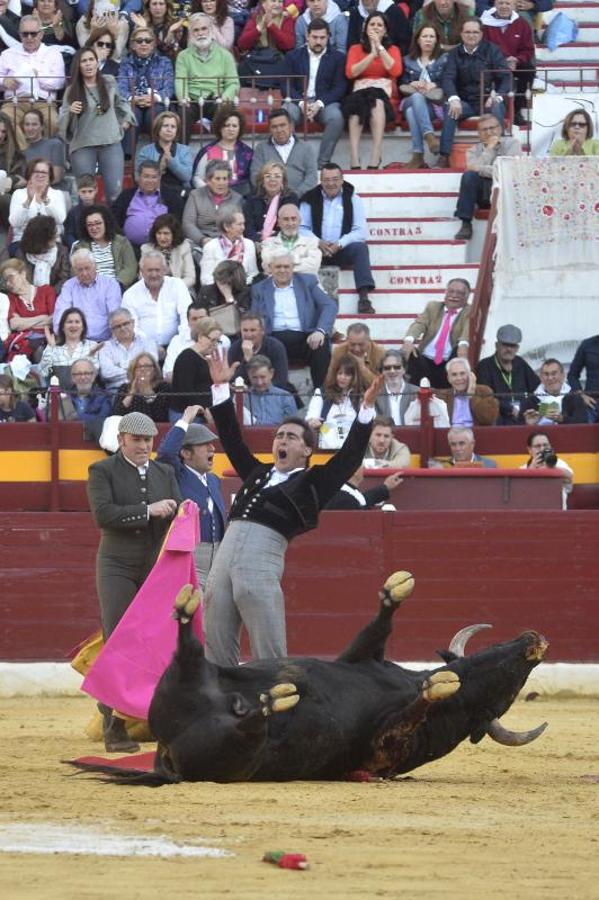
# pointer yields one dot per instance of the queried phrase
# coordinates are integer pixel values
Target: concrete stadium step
(580, 12)
(429, 276)
(418, 252)
(390, 302)
(407, 230)
(571, 75)
(588, 32)
(441, 204)
(412, 181)
(582, 52)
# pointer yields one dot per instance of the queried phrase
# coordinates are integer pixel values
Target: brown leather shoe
(432, 142)
(443, 161)
(465, 232)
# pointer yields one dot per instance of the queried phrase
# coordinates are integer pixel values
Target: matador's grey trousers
(244, 586)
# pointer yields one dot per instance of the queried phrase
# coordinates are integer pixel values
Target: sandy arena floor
(485, 822)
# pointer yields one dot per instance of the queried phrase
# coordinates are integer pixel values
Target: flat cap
(137, 423)
(509, 334)
(198, 434)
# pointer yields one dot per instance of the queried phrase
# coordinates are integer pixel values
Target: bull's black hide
(286, 719)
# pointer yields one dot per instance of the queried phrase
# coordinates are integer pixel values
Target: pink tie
(442, 339)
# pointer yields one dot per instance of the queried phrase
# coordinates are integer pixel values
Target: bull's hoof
(440, 685)
(397, 588)
(186, 603)
(280, 698)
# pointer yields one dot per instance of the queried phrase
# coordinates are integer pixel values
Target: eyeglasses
(578, 125)
(31, 34)
(108, 44)
(144, 40)
(143, 366)
(122, 325)
(392, 368)
(41, 172)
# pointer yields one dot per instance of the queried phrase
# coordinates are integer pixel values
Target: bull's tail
(132, 777)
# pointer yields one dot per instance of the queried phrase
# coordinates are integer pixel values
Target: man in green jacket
(205, 71)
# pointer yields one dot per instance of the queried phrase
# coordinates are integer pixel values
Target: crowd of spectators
(125, 294)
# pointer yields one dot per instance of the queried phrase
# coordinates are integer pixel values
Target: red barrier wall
(520, 570)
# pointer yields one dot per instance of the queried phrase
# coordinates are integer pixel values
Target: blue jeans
(475, 190)
(110, 162)
(355, 256)
(450, 125)
(417, 110)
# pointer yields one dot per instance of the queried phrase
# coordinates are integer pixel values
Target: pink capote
(140, 648)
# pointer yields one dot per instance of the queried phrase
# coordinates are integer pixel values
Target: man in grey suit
(133, 501)
(397, 393)
(285, 147)
(298, 313)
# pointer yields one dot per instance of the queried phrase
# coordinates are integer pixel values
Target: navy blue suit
(330, 87)
(331, 83)
(212, 524)
(316, 311)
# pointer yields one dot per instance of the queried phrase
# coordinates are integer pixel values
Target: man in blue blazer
(189, 449)
(297, 311)
(325, 86)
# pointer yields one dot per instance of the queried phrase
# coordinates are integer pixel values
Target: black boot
(364, 304)
(116, 739)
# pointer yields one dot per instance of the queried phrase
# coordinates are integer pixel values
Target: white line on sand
(25, 837)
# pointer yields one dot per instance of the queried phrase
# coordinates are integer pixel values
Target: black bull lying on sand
(285, 719)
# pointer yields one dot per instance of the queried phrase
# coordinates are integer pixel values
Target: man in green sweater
(205, 71)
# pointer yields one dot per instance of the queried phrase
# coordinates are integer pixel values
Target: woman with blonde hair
(191, 382)
(332, 411)
(261, 207)
(175, 159)
(145, 390)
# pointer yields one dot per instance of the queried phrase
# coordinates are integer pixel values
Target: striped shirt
(104, 258)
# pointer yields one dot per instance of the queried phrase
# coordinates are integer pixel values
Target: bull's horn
(508, 738)
(459, 640)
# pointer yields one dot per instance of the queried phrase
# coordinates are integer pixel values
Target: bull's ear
(447, 655)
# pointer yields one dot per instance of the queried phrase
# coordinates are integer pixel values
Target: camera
(549, 457)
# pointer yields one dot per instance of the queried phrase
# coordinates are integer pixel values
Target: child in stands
(87, 191)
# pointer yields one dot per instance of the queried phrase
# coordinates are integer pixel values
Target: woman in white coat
(231, 244)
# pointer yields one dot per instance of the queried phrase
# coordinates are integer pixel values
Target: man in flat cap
(189, 449)
(508, 375)
(133, 501)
